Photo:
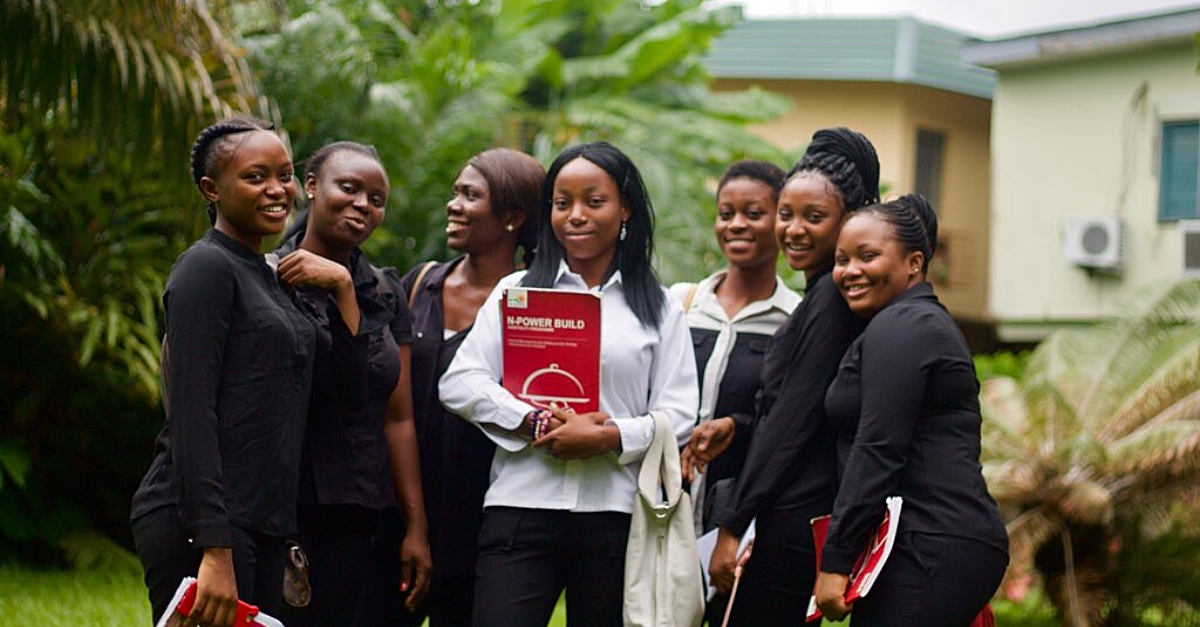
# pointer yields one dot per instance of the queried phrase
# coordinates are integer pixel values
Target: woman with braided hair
(905, 404)
(220, 496)
(790, 473)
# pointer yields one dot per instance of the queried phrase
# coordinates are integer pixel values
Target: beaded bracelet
(539, 422)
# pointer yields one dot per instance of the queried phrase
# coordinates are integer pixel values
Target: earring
(624, 231)
(311, 196)
(508, 227)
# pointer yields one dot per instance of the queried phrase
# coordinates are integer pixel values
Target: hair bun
(855, 148)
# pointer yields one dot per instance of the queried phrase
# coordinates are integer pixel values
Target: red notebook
(185, 598)
(552, 347)
(870, 561)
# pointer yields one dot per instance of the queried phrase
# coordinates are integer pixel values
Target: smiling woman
(906, 405)
(220, 495)
(557, 512)
(359, 428)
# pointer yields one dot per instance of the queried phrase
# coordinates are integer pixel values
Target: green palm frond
(122, 68)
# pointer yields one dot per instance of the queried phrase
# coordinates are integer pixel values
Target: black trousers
(337, 541)
(167, 557)
(527, 557)
(778, 580)
(932, 580)
(446, 604)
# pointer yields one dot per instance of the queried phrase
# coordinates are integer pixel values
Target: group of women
(316, 398)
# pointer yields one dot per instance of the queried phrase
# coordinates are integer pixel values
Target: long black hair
(643, 292)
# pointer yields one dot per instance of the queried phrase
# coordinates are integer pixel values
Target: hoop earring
(624, 231)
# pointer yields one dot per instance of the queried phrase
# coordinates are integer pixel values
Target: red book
(552, 347)
(869, 563)
(185, 599)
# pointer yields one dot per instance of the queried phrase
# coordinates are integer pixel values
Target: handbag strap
(412, 293)
(661, 465)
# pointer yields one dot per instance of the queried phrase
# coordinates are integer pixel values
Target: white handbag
(663, 583)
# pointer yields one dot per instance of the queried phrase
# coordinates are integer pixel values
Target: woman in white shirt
(557, 510)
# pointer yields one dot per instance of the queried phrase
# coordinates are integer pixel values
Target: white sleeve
(471, 385)
(673, 389)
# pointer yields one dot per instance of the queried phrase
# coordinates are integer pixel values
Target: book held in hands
(869, 563)
(185, 599)
(552, 347)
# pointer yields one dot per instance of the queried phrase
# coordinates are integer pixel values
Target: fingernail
(403, 587)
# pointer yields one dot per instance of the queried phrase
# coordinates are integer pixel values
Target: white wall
(1080, 138)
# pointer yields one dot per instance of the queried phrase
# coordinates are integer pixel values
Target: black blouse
(241, 358)
(456, 458)
(906, 406)
(345, 455)
(791, 462)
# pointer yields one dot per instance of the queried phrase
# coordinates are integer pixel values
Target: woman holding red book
(557, 512)
(906, 406)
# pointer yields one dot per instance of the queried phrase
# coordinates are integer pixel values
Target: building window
(1177, 192)
(928, 178)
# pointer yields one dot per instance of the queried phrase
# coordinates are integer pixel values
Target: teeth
(274, 209)
(855, 289)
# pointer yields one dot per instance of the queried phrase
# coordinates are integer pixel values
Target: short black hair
(764, 172)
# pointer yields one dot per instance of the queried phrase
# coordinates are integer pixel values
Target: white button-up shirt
(641, 369)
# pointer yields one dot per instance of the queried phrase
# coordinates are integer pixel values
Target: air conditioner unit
(1095, 242)
(1189, 231)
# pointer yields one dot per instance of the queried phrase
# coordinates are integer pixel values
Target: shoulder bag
(663, 583)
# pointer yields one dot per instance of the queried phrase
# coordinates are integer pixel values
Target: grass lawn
(69, 598)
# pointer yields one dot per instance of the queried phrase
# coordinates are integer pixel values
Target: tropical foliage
(99, 101)
(1094, 453)
(432, 87)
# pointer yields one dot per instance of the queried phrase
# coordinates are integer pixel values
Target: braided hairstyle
(848, 160)
(312, 169)
(514, 184)
(214, 146)
(764, 172)
(913, 223)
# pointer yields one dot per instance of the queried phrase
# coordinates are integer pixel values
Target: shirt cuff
(636, 435)
(836, 561)
(211, 535)
(505, 419)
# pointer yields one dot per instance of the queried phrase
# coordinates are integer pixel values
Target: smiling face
(807, 222)
(871, 266)
(254, 189)
(745, 225)
(586, 213)
(349, 200)
(471, 225)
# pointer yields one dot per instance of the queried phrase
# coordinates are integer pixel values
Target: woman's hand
(216, 590)
(580, 435)
(724, 560)
(302, 267)
(708, 441)
(831, 595)
(416, 568)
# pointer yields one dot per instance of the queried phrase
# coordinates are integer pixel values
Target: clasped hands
(571, 435)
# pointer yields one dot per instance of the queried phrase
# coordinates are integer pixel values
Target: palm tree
(1094, 455)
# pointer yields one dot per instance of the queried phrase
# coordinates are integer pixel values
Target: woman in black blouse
(344, 470)
(219, 497)
(790, 473)
(906, 406)
(486, 223)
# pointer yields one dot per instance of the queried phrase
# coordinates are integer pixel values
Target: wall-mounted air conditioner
(1189, 231)
(1095, 242)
